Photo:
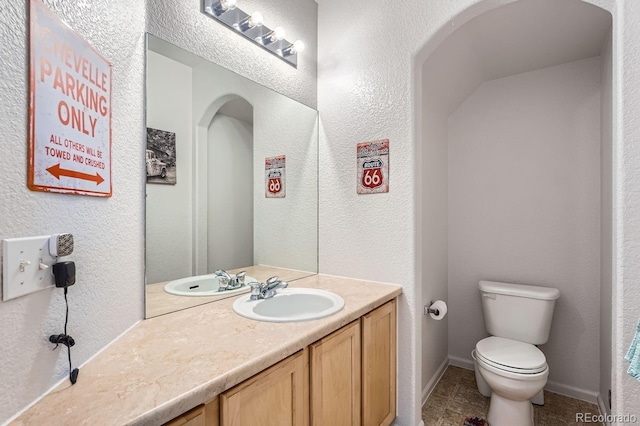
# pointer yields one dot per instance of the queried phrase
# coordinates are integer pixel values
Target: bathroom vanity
(208, 366)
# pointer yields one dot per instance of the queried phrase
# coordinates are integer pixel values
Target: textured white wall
(168, 208)
(626, 293)
(230, 179)
(109, 233)
(606, 224)
(524, 207)
(361, 98)
(182, 23)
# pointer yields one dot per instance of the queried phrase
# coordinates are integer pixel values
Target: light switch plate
(21, 270)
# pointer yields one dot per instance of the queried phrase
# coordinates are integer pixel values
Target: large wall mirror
(211, 202)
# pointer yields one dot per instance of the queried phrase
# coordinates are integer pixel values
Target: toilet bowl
(515, 372)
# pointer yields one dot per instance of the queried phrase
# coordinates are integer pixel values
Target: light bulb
(273, 36)
(224, 5)
(255, 20)
(229, 4)
(279, 33)
(296, 47)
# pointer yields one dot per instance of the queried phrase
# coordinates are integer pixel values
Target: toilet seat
(511, 356)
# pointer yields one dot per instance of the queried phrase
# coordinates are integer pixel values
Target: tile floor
(456, 397)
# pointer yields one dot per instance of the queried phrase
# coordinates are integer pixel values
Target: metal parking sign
(70, 110)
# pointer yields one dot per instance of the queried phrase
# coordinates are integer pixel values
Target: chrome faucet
(230, 282)
(266, 290)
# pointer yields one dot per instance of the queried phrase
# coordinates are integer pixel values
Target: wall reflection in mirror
(215, 214)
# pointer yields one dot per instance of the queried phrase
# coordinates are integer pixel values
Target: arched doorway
(521, 37)
(230, 187)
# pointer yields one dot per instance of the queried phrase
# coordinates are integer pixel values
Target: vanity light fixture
(252, 28)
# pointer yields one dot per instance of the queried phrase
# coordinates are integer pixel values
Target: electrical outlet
(26, 266)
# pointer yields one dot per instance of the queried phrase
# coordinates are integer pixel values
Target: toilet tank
(518, 312)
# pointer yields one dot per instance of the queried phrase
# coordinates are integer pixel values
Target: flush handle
(489, 295)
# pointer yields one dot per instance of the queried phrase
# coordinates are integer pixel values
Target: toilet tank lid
(520, 290)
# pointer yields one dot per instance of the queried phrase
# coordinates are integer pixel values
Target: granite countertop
(166, 365)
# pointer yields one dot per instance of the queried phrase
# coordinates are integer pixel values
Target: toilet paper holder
(428, 310)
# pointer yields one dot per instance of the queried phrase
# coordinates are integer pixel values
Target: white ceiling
(523, 36)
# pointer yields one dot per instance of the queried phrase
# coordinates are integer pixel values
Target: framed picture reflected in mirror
(161, 156)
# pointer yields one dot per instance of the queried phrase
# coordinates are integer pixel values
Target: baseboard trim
(573, 392)
(465, 363)
(434, 380)
(603, 409)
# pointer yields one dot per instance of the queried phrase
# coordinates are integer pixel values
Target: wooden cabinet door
(379, 365)
(278, 396)
(193, 417)
(212, 413)
(335, 378)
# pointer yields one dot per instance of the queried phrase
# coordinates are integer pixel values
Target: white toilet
(511, 369)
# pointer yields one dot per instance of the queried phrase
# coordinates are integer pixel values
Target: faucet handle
(240, 277)
(272, 280)
(275, 284)
(256, 290)
(223, 283)
(222, 273)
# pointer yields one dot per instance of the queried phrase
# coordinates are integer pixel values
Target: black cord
(66, 340)
(66, 315)
(73, 373)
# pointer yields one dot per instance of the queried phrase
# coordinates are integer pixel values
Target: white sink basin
(203, 285)
(290, 305)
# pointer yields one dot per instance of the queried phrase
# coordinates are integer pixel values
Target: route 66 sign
(373, 167)
(275, 184)
(274, 179)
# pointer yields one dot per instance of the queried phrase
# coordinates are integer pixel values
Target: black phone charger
(64, 273)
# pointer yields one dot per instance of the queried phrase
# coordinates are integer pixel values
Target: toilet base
(506, 412)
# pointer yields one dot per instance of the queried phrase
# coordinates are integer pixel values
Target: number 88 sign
(373, 167)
